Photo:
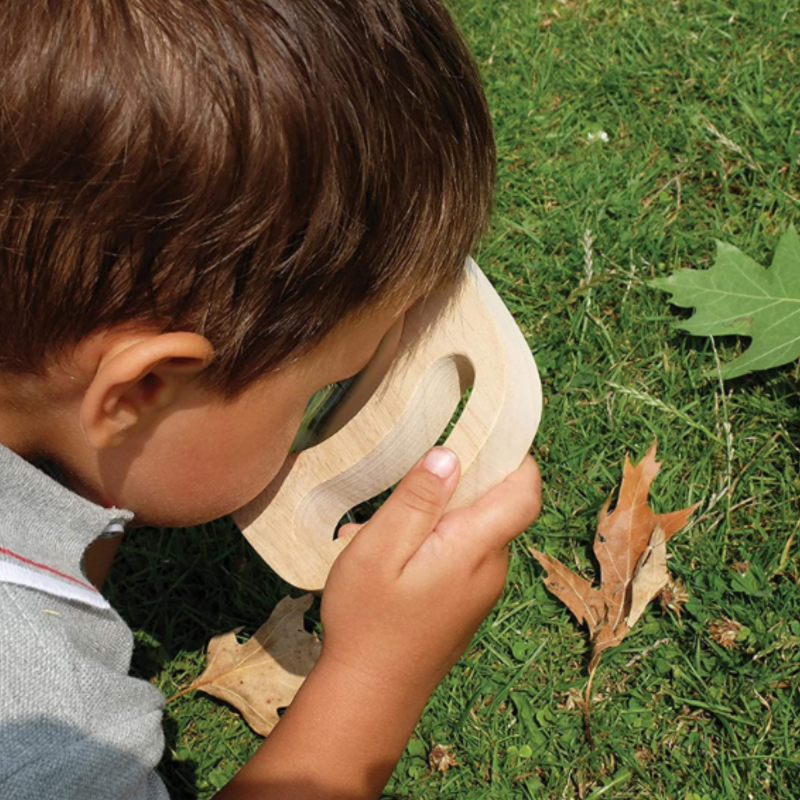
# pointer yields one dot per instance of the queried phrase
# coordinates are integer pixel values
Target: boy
(209, 210)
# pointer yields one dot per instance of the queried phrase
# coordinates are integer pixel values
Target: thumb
(415, 507)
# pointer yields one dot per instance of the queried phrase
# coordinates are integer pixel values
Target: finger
(414, 508)
(347, 532)
(503, 512)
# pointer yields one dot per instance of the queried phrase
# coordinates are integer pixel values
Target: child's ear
(140, 377)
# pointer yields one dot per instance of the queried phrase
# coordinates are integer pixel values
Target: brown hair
(251, 170)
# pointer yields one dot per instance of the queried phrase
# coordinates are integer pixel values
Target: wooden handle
(448, 344)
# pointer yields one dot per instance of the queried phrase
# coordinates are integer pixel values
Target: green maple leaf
(739, 296)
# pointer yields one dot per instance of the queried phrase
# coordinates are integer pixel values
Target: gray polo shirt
(73, 724)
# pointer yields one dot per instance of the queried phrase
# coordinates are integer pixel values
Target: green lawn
(700, 105)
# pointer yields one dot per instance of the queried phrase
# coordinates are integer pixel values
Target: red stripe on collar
(36, 564)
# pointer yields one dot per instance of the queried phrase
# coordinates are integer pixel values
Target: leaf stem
(726, 427)
(181, 693)
(587, 699)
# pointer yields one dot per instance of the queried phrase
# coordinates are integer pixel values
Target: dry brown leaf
(584, 601)
(265, 673)
(674, 596)
(441, 758)
(650, 576)
(725, 631)
(630, 546)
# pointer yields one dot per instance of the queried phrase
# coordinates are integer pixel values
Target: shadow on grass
(177, 588)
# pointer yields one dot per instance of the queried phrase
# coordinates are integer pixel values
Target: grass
(700, 107)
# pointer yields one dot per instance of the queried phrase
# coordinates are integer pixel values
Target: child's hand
(404, 599)
(401, 604)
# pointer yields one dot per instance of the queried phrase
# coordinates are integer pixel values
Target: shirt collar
(45, 523)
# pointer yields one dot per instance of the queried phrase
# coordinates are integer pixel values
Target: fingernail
(440, 461)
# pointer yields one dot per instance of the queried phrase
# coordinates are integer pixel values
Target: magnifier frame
(448, 343)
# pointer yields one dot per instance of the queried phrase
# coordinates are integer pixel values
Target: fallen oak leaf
(630, 546)
(650, 577)
(266, 672)
(622, 538)
(582, 599)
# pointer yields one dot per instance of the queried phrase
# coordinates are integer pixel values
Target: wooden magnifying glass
(447, 344)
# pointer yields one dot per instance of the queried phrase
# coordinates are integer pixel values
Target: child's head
(213, 205)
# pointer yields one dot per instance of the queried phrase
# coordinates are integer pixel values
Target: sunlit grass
(699, 104)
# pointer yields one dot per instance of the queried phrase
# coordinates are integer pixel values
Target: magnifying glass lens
(319, 408)
(335, 404)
